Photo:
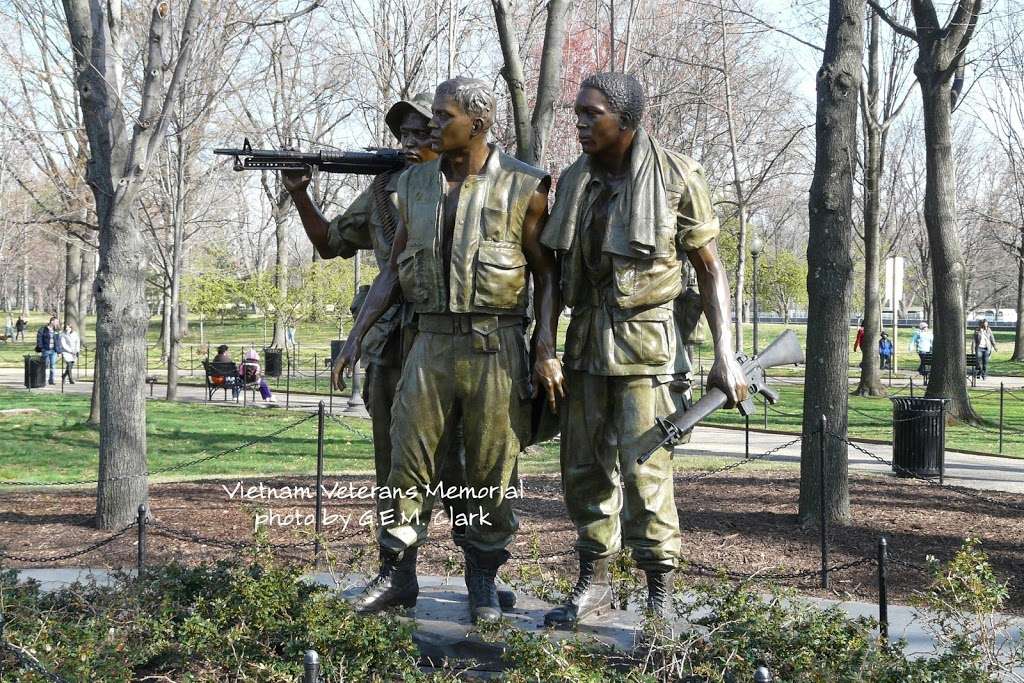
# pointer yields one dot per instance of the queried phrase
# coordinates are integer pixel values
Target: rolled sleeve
(350, 231)
(697, 223)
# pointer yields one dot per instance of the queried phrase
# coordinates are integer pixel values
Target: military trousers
(379, 393)
(611, 499)
(451, 377)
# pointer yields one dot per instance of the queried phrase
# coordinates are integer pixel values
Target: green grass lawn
(56, 445)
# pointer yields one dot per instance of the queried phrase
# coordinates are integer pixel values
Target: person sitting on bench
(250, 372)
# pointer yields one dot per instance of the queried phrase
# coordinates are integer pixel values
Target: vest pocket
(643, 338)
(500, 275)
(412, 271)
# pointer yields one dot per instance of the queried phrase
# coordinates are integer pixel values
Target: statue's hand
(727, 375)
(347, 359)
(297, 181)
(548, 374)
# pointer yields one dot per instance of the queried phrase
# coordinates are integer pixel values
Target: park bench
(220, 375)
(971, 361)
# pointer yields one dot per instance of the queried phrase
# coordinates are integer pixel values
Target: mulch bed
(746, 522)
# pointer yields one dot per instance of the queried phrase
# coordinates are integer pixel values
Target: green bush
(238, 621)
(251, 619)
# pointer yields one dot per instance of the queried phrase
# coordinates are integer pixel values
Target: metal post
(746, 437)
(911, 386)
(763, 675)
(1000, 417)
(141, 559)
(822, 512)
(883, 602)
(314, 373)
(319, 481)
(288, 384)
(311, 667)
(191, 365)
(764, 402)
(754, 297)
(330, 387)
(942, 440)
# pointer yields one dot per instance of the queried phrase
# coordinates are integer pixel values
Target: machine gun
(373, 161)
(785, 350)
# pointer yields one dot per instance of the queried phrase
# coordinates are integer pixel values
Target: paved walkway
(443, 627)
(961, 469)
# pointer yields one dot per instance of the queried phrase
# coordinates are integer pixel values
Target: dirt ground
(745, 522)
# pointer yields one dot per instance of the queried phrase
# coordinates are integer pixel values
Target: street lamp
(756, 245)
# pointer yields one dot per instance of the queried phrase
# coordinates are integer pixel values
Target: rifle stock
(784, 350)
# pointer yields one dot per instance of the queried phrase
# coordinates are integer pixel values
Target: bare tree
(881, 102)
(533, 128)
(942, 49)
(830, 268)
(121, 147)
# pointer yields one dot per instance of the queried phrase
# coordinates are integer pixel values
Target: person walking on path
(859, 340)
(984, 345)
(9, 329)
(19, 329)
(70, 346)
(46, 344)
(885, 351)
(921, 343)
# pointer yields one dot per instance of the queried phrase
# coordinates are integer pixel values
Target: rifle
(371, 162)
(784, 350)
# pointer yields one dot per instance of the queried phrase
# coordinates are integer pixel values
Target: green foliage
(964, 602)
(781, 282)
(251, 620)
(209, 292)
(240, 621)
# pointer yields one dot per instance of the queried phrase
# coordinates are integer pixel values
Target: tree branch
(896, 26)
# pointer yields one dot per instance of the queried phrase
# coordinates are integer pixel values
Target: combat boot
(506, 598)
(481, 570)
(592, 595)
(394, 585)
(660, 587)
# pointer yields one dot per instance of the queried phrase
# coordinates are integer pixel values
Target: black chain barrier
(68, 556)
(963, 491)
(739, 463)
(350, 428)
(171, 468)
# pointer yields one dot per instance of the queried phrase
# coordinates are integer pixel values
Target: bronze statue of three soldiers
(460, 234)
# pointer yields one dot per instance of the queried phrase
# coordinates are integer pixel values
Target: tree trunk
(830, 269)
(87, 269)
(741, 204)
(72, 282)
(1018, 337)
(94, 396)
(870, 374)
(280, 270)
(182, 314)
(122, 317)
(165, 321)
(948, 378)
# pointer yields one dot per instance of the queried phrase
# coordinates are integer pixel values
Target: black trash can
(336, 346)
(35, 372)
(272, 362)
(919, 436)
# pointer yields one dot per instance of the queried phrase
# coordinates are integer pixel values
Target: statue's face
(451, 128)
(415, 131)
(598, 127)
